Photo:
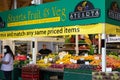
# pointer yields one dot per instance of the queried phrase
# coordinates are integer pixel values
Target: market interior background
(73, 44)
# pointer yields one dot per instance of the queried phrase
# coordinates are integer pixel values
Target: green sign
(54, 14)
(113, 12)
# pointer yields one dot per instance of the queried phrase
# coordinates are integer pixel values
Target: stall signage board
(112, 29)
(59, 31)
(113, 39)
(113, 12)
(54, 14)
(84, 10)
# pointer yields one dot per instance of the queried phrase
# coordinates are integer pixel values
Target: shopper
(44, 51)
(7, 62)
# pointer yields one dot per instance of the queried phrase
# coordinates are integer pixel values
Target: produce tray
(106, 75)
(77, 74)
(27, 69)
(31, 73)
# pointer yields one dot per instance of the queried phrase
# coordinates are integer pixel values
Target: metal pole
(103, 44)
(15, 4)
(99, 44)
(33, 51)
(37, 2)
(76, 43)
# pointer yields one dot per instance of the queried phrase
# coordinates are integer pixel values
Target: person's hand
(39, 54)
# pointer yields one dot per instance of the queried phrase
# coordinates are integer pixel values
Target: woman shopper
(7, 62)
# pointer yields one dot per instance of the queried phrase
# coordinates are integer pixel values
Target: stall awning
(55, 31)
(112, 29)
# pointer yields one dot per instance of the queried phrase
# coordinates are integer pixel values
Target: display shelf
(75, 43)
(69, 43)
(113, 47)
(82, 43)
(84, 49)
(78, 49)
(78, 45)
(67, 49)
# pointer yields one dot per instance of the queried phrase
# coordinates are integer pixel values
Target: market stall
(76, 19)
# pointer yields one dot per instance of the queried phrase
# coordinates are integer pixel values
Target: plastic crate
(30, 76)
(30, 79)
(29, 72)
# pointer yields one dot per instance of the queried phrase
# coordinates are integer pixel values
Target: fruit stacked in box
(105, 76)
(30, 71)
(66, 60)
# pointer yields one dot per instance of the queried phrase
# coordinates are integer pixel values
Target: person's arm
(39, 51)
(6, 59)
(4, 62)
(50, 51)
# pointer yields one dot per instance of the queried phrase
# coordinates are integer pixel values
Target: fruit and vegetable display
(105, 76)
(19, 64)
(21, 57)
(89, 62)
(20, 60)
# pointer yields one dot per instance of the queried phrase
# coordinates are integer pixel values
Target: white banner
(113, 39)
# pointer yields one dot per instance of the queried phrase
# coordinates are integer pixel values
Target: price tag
(50, 59)
(75, 61)
(72, 60)
(45, 60)
(118, 55)
(109, 69)
(96, 57)
(82, 59)
(86, 62)
(61, 57)
(86, 55)
(61, 62)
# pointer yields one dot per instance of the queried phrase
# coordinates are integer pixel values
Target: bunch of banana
(88, 41)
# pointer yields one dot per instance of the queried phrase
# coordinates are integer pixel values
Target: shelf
(68, 49)
(74, 43)
(112, 42)
(113, 49)
(84, 49)
(83, 43)
(74, 49)
(69, 43)
(79, 45)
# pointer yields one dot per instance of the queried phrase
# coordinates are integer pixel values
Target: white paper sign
(86, 55)
(86, 62)
(109, 69)
(113, 39)
(96, 57)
